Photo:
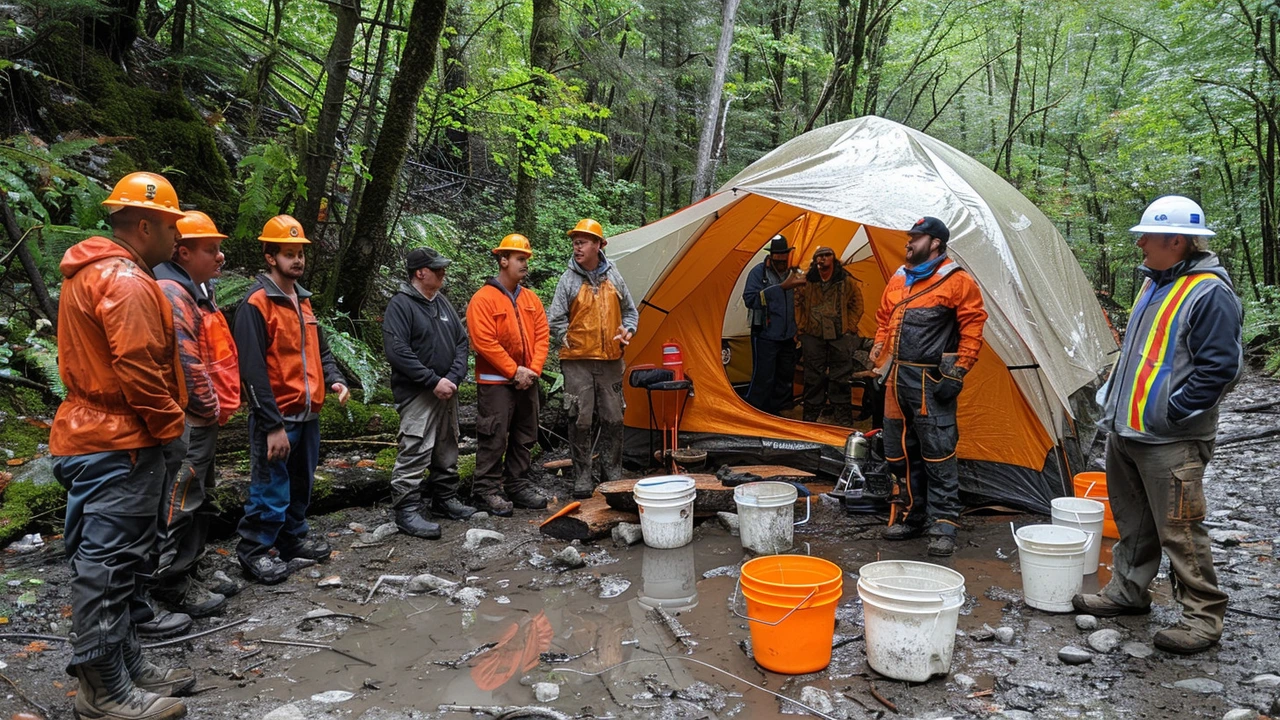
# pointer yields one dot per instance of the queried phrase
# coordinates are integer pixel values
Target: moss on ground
(25, 501)
(322, 487)
(356, 419)
(467, 393)
(386, 458)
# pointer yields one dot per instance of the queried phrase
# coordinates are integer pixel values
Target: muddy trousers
(593, 402)
(1158, 502)
(112, 504)
(428, 445)
(185, 509)
(828, 376)
(506, 428)
(275, 514)
(920, 446)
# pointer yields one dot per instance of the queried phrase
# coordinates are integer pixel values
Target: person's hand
(343, 393)
(277, 445)
(948, 388)
(624, 336)
(793, 280)
(876, 350)
(445, 389)
(525, 378)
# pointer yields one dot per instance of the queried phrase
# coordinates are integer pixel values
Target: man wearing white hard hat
(1182, 353)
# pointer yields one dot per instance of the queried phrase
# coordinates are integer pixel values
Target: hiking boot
(222, 584)
(528, 499)
(267, 570)
(1182, 640)
(107, 693)
(902, 531)
(163, 624)
(165, 682)
(410, 521)
(1100, 605)
(942, 545)
(493, 504)
(452, 508)
(311, 549)
(195, 599)
(583, 488)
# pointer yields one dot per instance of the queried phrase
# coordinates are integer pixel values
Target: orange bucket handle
(733, 606)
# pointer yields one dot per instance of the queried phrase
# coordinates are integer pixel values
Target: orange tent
(855, 186)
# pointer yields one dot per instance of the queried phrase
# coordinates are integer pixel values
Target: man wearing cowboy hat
(770, 295)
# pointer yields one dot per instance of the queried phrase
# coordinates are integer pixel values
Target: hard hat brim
(1172, 230)
(520, 251)
(203, 236)
(284, 241)
(588, 233)
(144, 206)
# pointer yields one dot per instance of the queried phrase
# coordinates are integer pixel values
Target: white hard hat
(1173, 215)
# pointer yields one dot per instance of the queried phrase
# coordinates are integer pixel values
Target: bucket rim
(742, 494)
(918, 564)
(837, 574)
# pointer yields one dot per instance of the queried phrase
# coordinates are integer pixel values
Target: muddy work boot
(317, 550)
(163, 623)
(1182, 640)
(267, 570)
(583, 488)
(528, 499)
(493, 504)
(165, 682)
(942, 545)
(107, 693)
(1100, 605)
(410, 521)
(452, 508)
(217, 581)
(902, 531)
(191, 598)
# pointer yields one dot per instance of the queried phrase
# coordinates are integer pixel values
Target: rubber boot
(165, 682)
(583, 488)
(107, 693)
(410, 521)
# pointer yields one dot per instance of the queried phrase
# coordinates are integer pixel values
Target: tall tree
(704, 174)
(359, 259)
(544, 44)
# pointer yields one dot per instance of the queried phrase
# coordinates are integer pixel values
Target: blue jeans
(279, 492)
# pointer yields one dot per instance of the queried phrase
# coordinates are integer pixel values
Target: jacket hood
(175, 272)
(601, 270)
(415, 294)
(90, 251)
(1201, 262)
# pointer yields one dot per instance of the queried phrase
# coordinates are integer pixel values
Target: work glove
(952, 378)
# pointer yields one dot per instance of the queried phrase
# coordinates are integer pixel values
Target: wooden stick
(318, 646)
(882, 699)
(23, 695)
(193, 636)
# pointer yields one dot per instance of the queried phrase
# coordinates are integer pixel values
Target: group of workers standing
(153, 369)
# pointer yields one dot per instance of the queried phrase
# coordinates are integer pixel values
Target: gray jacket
(571, 282)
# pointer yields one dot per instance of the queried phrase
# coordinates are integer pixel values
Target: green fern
(231, 288)
(42, 352)
(368, 366)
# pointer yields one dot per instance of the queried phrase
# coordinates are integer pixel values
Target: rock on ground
(965, 682)
(545, 691)
(818, 699)
(1138, 650)
(1241, 714)
(478, 538)
(627, 534)
(1087, 622)
(426, 582)
(383, 531)
(1204, 686)
(1073, 655)
(729, 521)
(569, 557)
(1264, 680)
(286, 712)
(1004, 635)
(1105, 640)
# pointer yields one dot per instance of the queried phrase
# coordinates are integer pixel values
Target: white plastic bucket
(666, 510)
(910, 611)
(1086, 515)
(766, 514)
(670, 581)
(1052, 559)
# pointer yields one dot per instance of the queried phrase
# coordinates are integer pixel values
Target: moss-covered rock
(19, 437)
(25, 501)
(386, 459)
(356, 419)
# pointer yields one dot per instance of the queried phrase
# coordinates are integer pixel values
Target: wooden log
(713, 496)
(592, 521)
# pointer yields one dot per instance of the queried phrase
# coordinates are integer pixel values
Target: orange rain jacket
(938, 315)
(118, 356)
(506, 332)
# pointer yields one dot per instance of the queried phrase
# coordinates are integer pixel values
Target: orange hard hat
(285, 230)
(587, 226)
(144, 190)
(195, 225)
(515, 242)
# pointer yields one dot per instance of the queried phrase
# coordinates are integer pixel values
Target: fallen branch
(1251, 613)
(512, 711)
(382, 579)
(981, 693)
(1251, 435)
(32, 636)
(318, 646)
(193, 636)
(23, 695)
(552, 658)
(678, 630)
(882, 699)
(466, 656)
(1255, 407)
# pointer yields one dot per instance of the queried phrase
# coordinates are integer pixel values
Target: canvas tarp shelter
(855, 186)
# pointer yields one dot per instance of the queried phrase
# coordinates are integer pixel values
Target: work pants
(828, 372)
(279, 492)
(506, 428)
(920, 446)
(1157, 498)
(773, 373)
(428, 444)
(593, 396)
(113, 499)
(185, 510)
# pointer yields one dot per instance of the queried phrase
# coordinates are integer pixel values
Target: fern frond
(42, 352)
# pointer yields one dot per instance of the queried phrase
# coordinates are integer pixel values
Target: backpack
(218, 349)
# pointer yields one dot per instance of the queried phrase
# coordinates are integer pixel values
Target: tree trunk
(544, 43)
(114, 31)
(178, 35)
(359, 260)
(46, 303)
(455, 151)
(1013, 98)
(320, 153)
(703, 177)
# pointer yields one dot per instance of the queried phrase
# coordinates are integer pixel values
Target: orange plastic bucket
(1093, 485)
(791, 609)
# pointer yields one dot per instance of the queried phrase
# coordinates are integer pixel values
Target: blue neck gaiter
(923, 270)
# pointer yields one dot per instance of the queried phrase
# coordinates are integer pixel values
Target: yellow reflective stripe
(1158, 337)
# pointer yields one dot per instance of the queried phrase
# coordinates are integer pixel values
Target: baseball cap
(931, 226)
(425, 258)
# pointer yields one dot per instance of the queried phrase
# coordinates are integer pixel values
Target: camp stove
(864, 482)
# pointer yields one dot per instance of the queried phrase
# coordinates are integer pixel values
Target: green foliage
(231, 288)
(355, 419)
(42, 187)
(26, 501)
(42, 353)
(1262, 328)
(352, 353)
(270, 180)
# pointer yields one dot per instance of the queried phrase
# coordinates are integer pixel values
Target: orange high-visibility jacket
(506, 333)
(939, 315)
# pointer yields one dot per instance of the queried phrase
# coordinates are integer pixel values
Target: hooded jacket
(506, 332)
(424, 340)
(189, 307)
(118, 356)
(587, 310)
(808, 296)
(285, 362)
(1182, 352)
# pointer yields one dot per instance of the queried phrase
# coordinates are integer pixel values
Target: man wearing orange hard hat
(286, 368)
(118, 358)
(508, 329)
(593, 317)
(210, 366)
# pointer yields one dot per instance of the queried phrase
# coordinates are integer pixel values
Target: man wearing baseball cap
(828, 308)
(1182, 353)
(929, 332)
(426, 346)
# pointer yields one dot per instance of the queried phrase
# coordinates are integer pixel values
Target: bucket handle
(1018, 541)
(733, 606)
(1090, 488)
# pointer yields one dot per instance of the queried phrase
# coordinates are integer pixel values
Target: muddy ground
(407, 654)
